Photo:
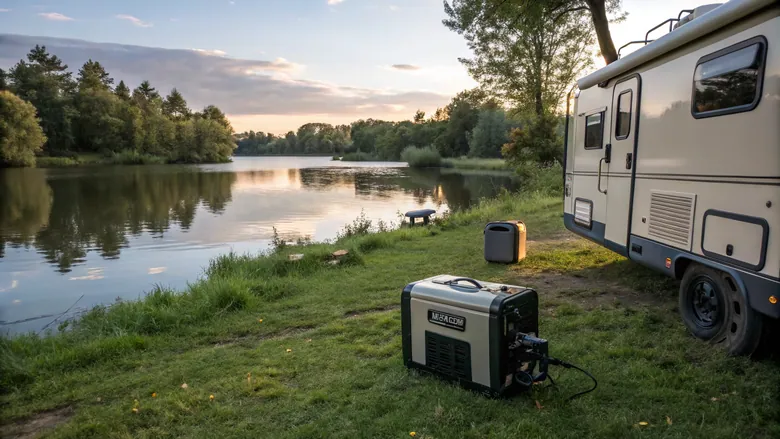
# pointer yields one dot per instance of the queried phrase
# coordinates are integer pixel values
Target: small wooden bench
(425, 214)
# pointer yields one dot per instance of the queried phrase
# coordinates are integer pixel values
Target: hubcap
(705, 303)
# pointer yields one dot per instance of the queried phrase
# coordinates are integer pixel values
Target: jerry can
(505, 241)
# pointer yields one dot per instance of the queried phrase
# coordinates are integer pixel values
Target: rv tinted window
(593, 130)
(729, 82)
(623, 125)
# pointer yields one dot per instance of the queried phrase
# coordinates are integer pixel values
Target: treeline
(470, 125)
(89, 114)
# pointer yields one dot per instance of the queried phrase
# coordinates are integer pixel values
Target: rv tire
(715, 309)
(702, 302)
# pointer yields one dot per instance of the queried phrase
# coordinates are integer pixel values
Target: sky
(273, 65)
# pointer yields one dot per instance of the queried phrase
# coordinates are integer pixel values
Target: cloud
(334, 2)
(240, 87)
(210, 52)
(393, 8)
(55, 16)
(135, 20)
(4, 10)
(406, 67)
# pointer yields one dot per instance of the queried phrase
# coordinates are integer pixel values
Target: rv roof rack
(646, 41)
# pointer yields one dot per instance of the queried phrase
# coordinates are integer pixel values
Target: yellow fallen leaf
(259, 320)
(135, 410)
(289, 350)
(412, 434)
(308, 340)
(211, 397)
(184, 386)
(668, 421)
(154, 394)
(644, 424)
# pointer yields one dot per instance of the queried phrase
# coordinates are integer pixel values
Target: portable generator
(482, 335)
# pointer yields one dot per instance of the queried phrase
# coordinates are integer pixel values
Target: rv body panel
(704, 187)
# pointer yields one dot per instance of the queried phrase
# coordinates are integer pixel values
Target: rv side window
(623, 125)
(729, 81)
(594, 130)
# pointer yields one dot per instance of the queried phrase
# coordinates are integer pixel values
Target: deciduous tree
(20, 134)
(522, 53)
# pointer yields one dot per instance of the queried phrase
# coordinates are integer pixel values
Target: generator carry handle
(454, 282)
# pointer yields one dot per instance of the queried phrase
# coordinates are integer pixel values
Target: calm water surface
(112, 232)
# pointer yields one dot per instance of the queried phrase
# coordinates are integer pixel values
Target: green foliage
(358, 157)
(427, 157)
(474, 163)
(523, 52)
(57, 162)
(547, 180)
(122, 91)
(538, 141)
(490, 134)
(86, 117)
(44, 81)
(175, 107)
(20, 135)
(93, 76)
(132, 158)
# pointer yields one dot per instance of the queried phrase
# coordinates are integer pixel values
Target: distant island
(52, 119)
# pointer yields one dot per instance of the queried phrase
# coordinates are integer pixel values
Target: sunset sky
(273, 65)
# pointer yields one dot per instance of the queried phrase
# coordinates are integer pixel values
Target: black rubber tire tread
(718, 333)
(741, 327)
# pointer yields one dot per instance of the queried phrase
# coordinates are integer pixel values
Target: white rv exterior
(673, 160)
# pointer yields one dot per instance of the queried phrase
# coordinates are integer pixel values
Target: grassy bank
(298, 349)
(474, 163)
(122, 158)
(358, 157)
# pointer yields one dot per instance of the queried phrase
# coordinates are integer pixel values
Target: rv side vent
(671, 218)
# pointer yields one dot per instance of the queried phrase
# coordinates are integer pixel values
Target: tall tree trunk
(598, 13)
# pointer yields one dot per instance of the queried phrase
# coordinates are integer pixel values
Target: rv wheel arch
(714, 307)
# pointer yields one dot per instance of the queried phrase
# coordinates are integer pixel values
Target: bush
(427, 157)
(55, 162)
(359, 157)
(547, 180)
(20, 134)
(133, 158)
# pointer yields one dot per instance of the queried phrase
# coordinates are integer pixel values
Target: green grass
(475, 163)
(427, 157)
(359, 157)
(343, 375)
(89, 159)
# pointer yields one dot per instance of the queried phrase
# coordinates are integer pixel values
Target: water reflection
(65, 214)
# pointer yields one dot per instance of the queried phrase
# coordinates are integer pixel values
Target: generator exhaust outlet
(482, 335)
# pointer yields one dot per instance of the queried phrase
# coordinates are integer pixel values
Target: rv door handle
(599, 182)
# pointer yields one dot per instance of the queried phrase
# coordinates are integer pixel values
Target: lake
(114, 232)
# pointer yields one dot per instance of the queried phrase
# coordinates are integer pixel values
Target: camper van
(672, 159)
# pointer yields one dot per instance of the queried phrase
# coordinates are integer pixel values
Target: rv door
(622, 138)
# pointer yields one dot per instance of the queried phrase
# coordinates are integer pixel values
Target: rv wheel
(713, 308)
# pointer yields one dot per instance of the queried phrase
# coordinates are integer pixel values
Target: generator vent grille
(671, 218)
(448, 356)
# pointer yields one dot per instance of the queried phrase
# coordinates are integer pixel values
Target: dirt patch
(35, 425)
(588, 292)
